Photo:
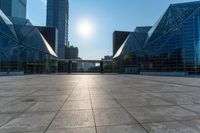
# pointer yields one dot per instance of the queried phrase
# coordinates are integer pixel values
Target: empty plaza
(99, 104)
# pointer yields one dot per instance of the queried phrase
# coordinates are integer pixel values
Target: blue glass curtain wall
(173, 46)
(23, 48)
(18, 58)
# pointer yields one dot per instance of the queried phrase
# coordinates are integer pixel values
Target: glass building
(57, 16)
(171, 45)
(23, 48)
(14, 8)
(118, 38)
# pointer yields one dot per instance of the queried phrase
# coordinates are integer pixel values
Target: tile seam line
(170, 83)
(19, 114)
(92, 108)
(176, 105)
(46, 129)
(27, 95)
(124, 108)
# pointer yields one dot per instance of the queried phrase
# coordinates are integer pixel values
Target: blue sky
(107, 16)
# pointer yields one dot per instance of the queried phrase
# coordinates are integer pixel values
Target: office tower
(14, 8)
(72, 52)
(57, 16)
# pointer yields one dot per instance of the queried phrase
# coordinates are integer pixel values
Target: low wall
(15, 73)
(3, 73)
(11, 73)
(164, 73)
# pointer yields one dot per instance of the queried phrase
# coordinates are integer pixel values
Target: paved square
(99, 104)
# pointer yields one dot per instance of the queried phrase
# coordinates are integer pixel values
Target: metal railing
(81, 66)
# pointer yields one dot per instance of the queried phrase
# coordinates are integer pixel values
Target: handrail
(70, 61)
(79, 60)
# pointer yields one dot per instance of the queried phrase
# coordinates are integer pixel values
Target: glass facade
(23, 48)
(118, 38)
(171, 45)
(57, 16)
(14, 8)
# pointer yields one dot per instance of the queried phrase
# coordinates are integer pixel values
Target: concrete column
(101, 67)
(69, 66)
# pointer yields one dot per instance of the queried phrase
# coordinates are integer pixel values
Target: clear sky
(105, 16)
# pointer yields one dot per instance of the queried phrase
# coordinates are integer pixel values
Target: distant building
(87, 66)
(107, 57)
(57, 16)
(71, 52)
(14, 8)
(51, 36)
(142, 29)
(118, 38)
(170, 46)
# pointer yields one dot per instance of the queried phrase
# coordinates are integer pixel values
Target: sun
(85, 29)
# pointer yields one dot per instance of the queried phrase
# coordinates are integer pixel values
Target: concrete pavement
(99, 104)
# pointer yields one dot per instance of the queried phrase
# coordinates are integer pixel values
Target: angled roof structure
(20, 31)
(173, 18)
(7, 27)
(134, 41)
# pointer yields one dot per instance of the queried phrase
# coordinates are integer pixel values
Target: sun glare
(85, 29)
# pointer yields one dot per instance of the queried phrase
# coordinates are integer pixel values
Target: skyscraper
(14, 8)
(57, 16)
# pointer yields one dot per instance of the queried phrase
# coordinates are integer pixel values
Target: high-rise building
(57, 16)
(14, 8)
(72, 52)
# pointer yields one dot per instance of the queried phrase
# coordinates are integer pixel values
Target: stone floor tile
(121, 129)
(49, 93)
(161, 114)
(176, 98)
(101, 97)
(5, 100)
(112, 117)
(14, 107)
(4, 118)
(98, 92)
(23, 132)
(79, 97)
(60, 98)
(73, 130)
(45, 106)
(139, 102)
(16, 93)
(170, 127)
(192, 107)
(73, 119)
(28, 122)
(149, 99)
(77, 105)
(103, 104)
(194, 124)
